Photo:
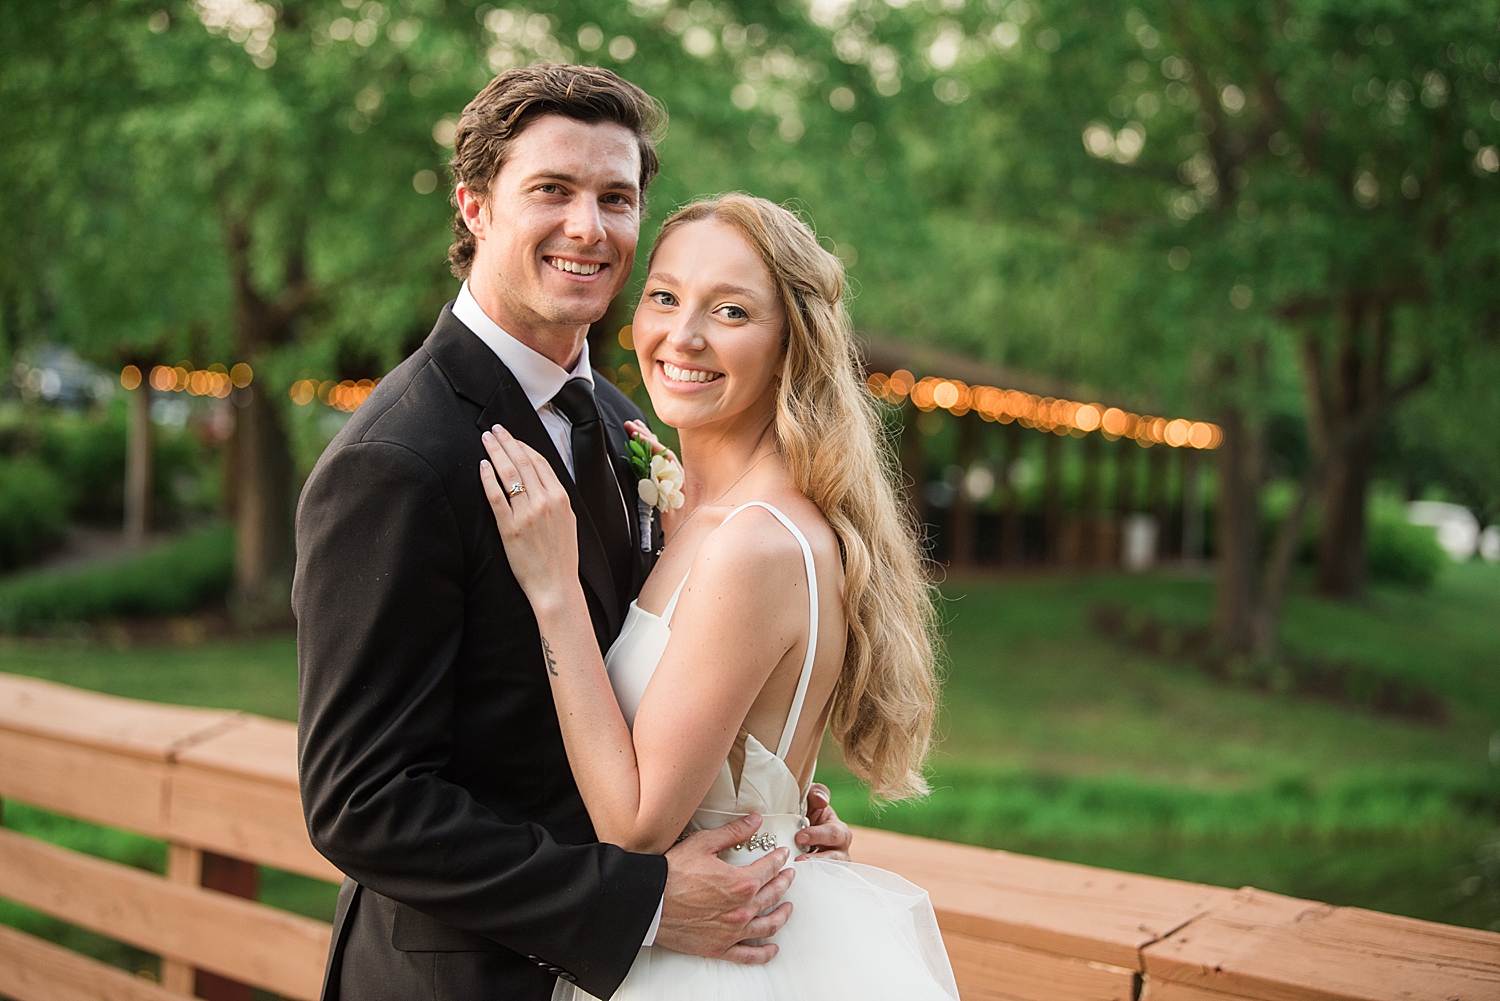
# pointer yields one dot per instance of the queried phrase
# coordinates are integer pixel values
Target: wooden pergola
(923, 379)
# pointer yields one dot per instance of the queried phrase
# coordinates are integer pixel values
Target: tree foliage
(1243, 207)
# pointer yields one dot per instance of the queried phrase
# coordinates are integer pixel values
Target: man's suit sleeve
(379, 596)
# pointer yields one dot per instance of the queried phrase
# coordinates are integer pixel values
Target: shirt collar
(540, 377)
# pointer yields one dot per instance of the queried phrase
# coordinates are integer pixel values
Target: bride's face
(708, 330)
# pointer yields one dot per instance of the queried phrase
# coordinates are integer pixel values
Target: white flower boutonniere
(661, 487)
(659, 479)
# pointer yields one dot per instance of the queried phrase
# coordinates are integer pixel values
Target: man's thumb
(717, 839)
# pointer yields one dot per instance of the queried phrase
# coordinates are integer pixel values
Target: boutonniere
(658, 479)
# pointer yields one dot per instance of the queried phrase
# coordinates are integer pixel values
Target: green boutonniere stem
(639, 454)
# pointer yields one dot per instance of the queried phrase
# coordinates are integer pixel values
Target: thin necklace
(722, 495)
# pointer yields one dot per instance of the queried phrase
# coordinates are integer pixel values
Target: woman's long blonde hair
(833, 442)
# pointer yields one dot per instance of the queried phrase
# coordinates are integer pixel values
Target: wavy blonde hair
(833, 441)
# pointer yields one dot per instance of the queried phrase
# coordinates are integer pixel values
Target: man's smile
(574, 267)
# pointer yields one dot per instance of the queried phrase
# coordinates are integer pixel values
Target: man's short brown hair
(515, 99)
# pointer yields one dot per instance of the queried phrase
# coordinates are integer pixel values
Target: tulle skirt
(855, 932)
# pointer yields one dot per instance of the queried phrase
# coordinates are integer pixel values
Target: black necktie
(595, 475)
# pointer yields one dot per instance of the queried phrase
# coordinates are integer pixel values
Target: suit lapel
(510, 408)
(479, 376)
(642, 557)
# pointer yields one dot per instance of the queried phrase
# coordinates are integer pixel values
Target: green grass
(256, 674)
(1059, 743)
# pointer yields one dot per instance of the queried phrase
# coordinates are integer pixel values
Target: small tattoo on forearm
(551, 660)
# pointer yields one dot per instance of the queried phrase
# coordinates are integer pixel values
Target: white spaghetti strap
(790, 729)
(666, 613)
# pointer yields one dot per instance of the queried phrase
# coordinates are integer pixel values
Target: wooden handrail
(1017, 927)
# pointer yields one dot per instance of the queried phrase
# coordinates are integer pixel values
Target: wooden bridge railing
(224, 783)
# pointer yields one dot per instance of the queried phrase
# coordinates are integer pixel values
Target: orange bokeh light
(1059, 416)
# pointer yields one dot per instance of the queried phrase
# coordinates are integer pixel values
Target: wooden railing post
(242, 879)
(189, 866)
(185, 868)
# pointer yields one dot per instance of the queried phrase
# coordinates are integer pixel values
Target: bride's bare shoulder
(754, 540)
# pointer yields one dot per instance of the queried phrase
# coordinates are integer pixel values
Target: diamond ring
(517, 489)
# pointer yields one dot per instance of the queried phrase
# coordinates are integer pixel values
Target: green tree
(1239, 197)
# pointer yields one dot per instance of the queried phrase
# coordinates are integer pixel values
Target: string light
(216, 380)
(346, 396)
(1044, 413)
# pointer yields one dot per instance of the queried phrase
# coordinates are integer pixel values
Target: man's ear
(471, 207)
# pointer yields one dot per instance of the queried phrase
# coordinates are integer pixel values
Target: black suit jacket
(432, 768)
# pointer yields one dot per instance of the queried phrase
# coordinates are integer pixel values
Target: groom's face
(557, 232)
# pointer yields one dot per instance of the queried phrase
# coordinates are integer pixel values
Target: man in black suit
(432, 767)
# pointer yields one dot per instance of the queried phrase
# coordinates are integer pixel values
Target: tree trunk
(138, 463)
(263, 468)
(1238, 523)
(1341, 530)
(1353, 383)
(266, 550)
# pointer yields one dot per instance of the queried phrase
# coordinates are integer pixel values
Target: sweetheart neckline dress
(855, 930)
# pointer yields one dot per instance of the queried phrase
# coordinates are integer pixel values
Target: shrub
(88, 452)
(1398, 552)
(181, 576)
(33, 509)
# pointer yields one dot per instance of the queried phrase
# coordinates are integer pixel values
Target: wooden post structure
(1156, 492)
(242, 879)
(187, 866)
(961, 528)
(138, 462)
(1192, 505)
(913, 458)
(1011, 552)
(1125, 464)
(1052, 513)
(1088, 508)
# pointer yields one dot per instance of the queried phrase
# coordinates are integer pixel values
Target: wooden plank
(236, 794)
(257, 746)
(1266, 946)
(244, 818)
(95, 784)
(1166, 990)
(35, 970)
(1058, 907)
(129, 726)
(184, 868)
(987, 969)
(236, 938)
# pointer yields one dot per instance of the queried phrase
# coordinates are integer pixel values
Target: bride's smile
(710, 346)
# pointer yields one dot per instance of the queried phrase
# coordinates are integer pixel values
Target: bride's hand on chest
(534, 515)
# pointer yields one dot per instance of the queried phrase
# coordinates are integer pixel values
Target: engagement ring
(516, 489)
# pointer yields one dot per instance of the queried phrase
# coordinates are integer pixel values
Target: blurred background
(1186, 320)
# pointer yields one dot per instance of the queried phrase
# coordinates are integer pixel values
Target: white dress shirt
(540, 378)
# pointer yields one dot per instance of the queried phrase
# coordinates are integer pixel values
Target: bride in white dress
(789, 600)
